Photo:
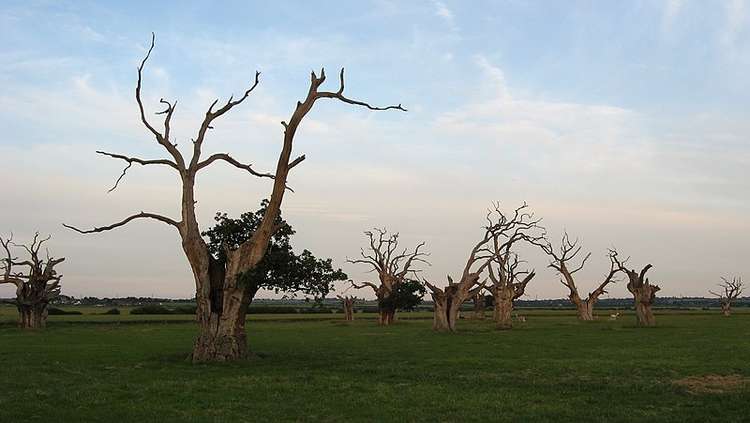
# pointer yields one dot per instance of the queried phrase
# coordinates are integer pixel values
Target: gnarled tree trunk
(36, 281)
(503, 312)
(222, 303)
(584, 308)
(479, 307)
(347, 304)
(643, 292)
(448, 301)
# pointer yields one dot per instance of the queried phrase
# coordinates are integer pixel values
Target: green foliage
(281, 270)
(407, 297)
(112, 311)
(54, 311)
(159, 309)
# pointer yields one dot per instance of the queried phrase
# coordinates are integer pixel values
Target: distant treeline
(329, 304)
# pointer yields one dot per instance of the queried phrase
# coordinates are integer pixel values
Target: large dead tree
(644, 293)
(392, 265)
(732, 290)
(562, 263)
(508, 285)
(347, 303)
(222, 302)
(36, 281)
(479, 306)
(509, 282)
(500, 233)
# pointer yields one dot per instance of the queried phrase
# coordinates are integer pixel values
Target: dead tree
(732, 290)
(507, 286)
(347, 303)
(479, 306)
(561, 262)
(392, 267)
(222, 302)
(509, 283)
(36, 281)
(644, 293)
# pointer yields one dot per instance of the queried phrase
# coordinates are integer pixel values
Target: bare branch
(123, 222)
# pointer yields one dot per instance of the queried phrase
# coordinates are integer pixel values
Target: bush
(151, 309)
(160, 309)
(112, 311)
(53, 311)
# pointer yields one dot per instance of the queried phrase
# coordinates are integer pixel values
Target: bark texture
(222, 301)
(36, 281)
(732, 289)
(392, 267)
(561, 262)
(644, 293)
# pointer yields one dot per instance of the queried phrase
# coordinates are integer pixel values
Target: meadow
(694, 366)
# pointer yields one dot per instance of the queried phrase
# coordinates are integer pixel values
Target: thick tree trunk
(478, 313)
(221, 312)
(348, 311)
(32, 316)
(386, 316)
(584, 308)
(441, 318)
(643, 297)
(726, 309)
(504, 313)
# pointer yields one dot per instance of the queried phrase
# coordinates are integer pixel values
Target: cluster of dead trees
(222, 292)
(494, 265)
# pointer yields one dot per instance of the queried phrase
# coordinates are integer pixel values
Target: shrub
(151, 309)
(53, 311)
(112, 311)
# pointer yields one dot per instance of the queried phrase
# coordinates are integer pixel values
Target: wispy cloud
(446, 14)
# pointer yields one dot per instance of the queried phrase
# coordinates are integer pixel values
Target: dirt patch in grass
(712, 384)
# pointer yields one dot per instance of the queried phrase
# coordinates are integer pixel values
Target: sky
(625, 123)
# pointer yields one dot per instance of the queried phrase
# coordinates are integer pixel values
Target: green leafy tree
(281, 269)
(407, 297)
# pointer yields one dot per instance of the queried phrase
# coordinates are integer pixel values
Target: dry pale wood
(732, 290)
(392, 266)
(221, 302)
(36, 280)
(644, 293)
(562, 260)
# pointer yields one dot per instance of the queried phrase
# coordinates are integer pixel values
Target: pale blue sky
(625, 122)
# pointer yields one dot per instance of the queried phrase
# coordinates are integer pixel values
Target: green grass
(552, 368)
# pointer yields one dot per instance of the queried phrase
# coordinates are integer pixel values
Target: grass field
(551, 368)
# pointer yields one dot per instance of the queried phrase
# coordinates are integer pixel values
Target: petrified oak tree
(347, 303)
(643, 292)
(509, 283)
(36, 281)
(507, 286)
(222, 300)
(392, 268)
(732, 290)
(561, 261)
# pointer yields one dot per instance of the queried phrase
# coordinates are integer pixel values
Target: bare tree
(222, 302)
(500, 233)
(561, 261)
(479, 306)
(507, 286)
(643, 292)
(393, 268)
(509, 283)
(347, 303)
(36, 281)
(732, 290)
